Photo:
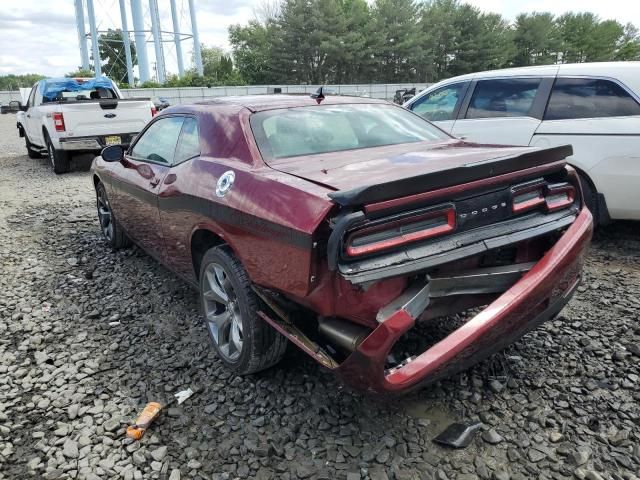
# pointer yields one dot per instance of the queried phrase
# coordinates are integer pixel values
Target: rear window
(589, 98)
(95, 94)
(332, 128)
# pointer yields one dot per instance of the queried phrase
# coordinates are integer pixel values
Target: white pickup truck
(72, 115)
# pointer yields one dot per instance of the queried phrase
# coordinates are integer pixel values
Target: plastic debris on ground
(183, 395)
(458, 435)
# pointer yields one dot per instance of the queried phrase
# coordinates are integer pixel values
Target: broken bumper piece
(538, 295)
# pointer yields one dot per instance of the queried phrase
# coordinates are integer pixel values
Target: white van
(593, 106)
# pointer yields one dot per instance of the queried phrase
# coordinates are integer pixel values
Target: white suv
(593, 106)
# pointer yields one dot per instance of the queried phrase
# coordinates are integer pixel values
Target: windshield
(333, 128)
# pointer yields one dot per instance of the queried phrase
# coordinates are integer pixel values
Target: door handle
(28, 115)
(154, 182)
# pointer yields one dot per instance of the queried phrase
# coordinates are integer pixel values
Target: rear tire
(590, 198)
(111, 230)
(58, 158)
(244, 342)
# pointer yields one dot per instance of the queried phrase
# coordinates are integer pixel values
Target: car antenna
(318, 95)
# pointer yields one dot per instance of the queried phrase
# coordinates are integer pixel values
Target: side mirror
(113, 153)
(23, 108)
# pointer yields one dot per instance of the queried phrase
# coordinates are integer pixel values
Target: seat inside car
(287, 140)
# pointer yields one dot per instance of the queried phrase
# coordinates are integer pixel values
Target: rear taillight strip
(527, 200)
(554, 197)
(559, 196)
(447, 215)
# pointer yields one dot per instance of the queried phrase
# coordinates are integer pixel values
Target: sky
(34, 39)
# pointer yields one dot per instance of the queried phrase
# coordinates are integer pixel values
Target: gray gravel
(88, 336)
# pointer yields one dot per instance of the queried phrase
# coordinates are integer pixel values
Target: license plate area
(112, 140)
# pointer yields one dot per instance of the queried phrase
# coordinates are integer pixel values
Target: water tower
(146, 30)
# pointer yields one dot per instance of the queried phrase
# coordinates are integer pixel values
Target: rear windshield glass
(333, 128)
(96, 94)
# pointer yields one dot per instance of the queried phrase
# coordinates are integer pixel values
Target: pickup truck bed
(90, 129)
(76, 121)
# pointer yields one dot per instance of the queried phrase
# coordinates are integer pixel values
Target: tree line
(387, 41)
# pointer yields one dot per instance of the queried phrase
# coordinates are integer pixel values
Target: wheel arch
(202, 239)
(46, 137)
(584, 175)
(603, 217)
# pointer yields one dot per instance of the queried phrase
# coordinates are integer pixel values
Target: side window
(37, 99)
(589, 98)
(503, 98)
(189, 141)
(440, 104)
(158, 143)
(32, 96)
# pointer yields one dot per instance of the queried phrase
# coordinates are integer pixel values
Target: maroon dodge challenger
(340, 223)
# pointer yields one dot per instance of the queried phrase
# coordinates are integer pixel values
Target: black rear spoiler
(447, 178)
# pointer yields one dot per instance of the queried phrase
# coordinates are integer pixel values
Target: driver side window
(158, 143)
(441, 104)
(32, 97)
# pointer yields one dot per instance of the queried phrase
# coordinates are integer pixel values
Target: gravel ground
(88, 336)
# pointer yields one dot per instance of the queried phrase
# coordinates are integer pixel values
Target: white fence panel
(9, 96)
(186, 95)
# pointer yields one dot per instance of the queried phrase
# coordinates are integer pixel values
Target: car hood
(354, 169)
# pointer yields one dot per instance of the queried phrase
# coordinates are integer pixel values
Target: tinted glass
(332, 128)
(440, 104)
(189, 142)
(589, 98)
(95, 94)
(158, 143)
(503, 98)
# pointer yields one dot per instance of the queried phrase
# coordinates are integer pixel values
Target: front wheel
(244, 342)
(58, 158)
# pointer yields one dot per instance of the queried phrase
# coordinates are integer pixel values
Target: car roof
(626, 72)
(257, 103)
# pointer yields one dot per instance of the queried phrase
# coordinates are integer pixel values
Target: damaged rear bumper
(539, 295)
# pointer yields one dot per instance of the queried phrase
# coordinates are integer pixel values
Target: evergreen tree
(536, 39)
(395, 43)
(629, 45)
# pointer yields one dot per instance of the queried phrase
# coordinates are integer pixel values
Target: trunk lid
(358, 176)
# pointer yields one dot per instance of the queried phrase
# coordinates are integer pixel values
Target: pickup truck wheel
(32, 151)
(244, 342)
(59, 159)
(112, 232)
